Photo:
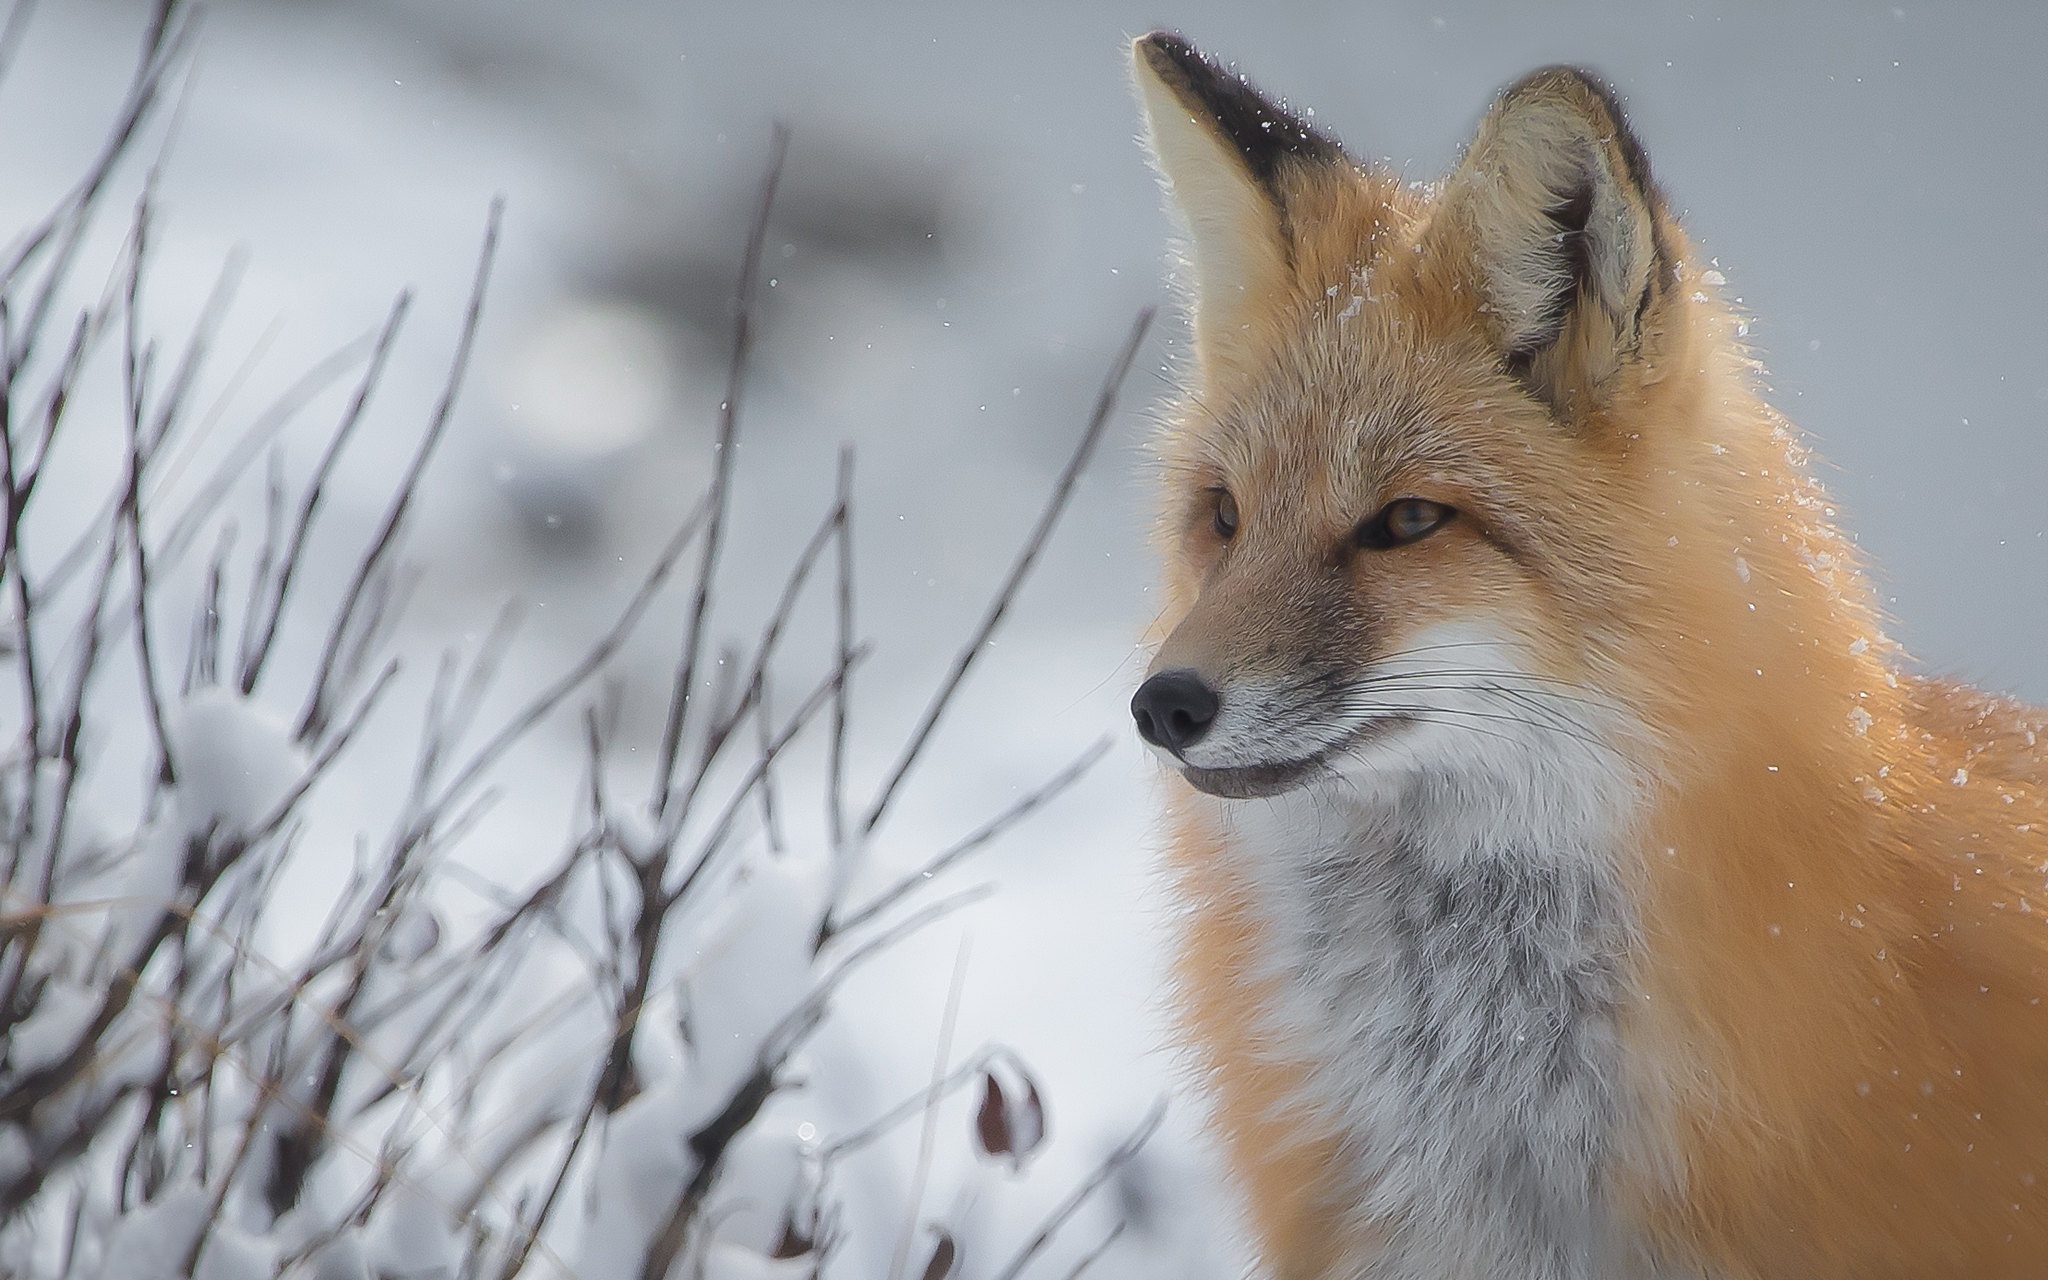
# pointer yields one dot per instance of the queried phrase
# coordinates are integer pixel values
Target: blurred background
(966, 229)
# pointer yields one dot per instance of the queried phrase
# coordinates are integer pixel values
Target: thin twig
(726, 448)
(842, 638)
(276, 416)
(12, 566)
(1094, 1255)
(965, 1073)
(755, 683)
(316, 709)
(256, 654)
(267, 550)
(1124, 1153)
(721, 827)
(1056, 505)
(981, 836)
(66, 753)
(65, 226)
(336, 743)
(202, 660)
(928, 1135)
(771, 819)
(137, 371)
(593, 660)
(11, 34)
(204, 330)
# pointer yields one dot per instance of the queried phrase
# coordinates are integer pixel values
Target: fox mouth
(1255, 781)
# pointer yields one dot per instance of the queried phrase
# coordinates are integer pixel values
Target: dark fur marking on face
(1263, 133)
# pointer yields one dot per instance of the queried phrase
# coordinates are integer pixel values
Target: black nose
(1174, 709)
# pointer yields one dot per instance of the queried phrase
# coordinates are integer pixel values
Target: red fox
(1580, 885)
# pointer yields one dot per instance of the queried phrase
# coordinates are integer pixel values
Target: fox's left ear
(1554, 201)
(1230, 157)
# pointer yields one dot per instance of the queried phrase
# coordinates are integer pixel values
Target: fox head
(1435, 454)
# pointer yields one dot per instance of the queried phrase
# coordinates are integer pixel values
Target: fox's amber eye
(1226, 515)
(1402, 521)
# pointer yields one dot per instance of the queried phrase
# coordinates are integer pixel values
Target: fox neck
(1451, 947)
(1782, 724)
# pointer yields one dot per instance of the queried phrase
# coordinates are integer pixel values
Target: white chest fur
(1452, 948)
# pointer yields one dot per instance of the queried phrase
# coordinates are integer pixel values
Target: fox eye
(1402, 521)
(1226, 515)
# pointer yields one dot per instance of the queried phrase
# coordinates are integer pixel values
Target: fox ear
(1225, 153)
(1554, 200)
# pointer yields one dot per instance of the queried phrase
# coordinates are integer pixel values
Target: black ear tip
(1174, 57)
(1171, 43)
(1262, 131)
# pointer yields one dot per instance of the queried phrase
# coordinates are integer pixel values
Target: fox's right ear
(1225, 152)
(1554, 205)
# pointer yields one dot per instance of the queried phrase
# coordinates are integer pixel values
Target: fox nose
(1174, 709)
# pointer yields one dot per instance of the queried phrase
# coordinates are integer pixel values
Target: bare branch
(965, 1073)
(18, 15)
(1125, 1152)
(15, 571)
(721, 827)
(1094, 1255)
(842, 637)
(721, 477)
(137, 363)
(316, 710)
(933, 1096)
(593, 660)
(1056, 505)
(771, 820)
(65, 226)
(256, 654)
(274, 418)
(755, 683)
(333, 747)
(981, 836)
(202, 659)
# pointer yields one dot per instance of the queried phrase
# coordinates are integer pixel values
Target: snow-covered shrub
(605, 1076)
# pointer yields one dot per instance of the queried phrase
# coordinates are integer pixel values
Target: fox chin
(1579, 884)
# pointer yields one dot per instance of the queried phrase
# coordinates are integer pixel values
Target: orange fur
(1834, 1046)
(1282, 1161)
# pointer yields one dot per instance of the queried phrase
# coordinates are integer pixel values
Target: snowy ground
(966, 232)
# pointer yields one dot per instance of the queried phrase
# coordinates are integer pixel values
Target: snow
(15, 1154)
(752, 967)
(236, 762)
(60, 1018)
(411, 1234)
(763, 1173)
(1011, 228)
(642, 1165)
(341, 1260)
(152, 1242)
(732, 1262)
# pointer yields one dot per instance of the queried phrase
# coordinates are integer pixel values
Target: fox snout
(1174, 710)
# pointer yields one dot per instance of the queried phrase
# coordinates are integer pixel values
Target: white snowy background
(966, 229)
